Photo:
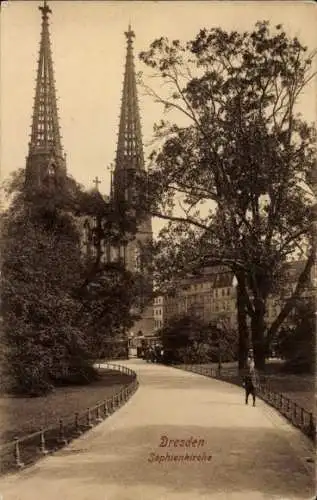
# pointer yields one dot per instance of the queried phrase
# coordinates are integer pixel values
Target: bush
(79, 373)
(296, 344)
(187, 339)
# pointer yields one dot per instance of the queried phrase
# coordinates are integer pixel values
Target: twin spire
(129, 148)
(45, 134)
(45, 147)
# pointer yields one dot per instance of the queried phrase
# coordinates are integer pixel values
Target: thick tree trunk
(242, 330)
(258, 339)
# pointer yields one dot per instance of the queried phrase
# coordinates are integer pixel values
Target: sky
(89, 48)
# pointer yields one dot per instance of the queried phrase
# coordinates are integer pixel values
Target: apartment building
(212, 296)
(158, 312)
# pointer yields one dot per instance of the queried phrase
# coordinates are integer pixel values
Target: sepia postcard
(158, 250)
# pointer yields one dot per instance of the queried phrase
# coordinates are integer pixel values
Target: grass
(23, 415)
(298, 388)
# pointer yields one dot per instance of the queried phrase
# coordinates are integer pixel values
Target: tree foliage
(59, 311)
(296, 341)
(228, 173)
(40, 270)
(188, 339)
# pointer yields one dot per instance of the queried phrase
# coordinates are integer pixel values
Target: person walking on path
(250, 379)
(249, 388)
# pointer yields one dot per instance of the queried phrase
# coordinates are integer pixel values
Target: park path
(255, 453)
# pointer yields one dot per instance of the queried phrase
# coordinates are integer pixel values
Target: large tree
(40, 269)
(58, 309)
(228, 172)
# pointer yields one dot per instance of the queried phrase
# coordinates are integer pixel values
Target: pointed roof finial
(45, 9)
(96, 181)
(129, 34)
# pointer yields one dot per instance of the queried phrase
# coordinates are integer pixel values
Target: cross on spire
(96, 181)
(129, 34)
(45, 9)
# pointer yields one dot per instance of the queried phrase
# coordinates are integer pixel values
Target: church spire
(45, 155)
(129, 156)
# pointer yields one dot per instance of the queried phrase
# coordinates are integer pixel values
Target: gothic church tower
(128, 163)
(45, 163)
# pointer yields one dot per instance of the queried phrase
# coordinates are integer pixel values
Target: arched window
(115, 253)
(87, 238)
(137, 259)
(51, 168)
(50, 175)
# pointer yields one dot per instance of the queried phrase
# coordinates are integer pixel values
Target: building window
(137, 259)
(51, 170)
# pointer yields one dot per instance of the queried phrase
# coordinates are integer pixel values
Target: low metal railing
(298, 416)
(23, 451)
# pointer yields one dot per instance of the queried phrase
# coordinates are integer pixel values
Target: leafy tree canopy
(58, 309)
(229, 172)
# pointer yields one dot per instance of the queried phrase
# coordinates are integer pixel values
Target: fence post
(302, 418)
(61, 436)
(312, 428)
(89, 423)
(98, 417)
(43, 449)
(77, 428)
(17, 455)
(294, 411)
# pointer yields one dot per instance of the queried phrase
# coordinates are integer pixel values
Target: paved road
(245, 453)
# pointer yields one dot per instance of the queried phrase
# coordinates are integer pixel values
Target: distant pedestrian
(250, 361)
(250, 379)
(152, 355)
(147, 354)
(249, 386)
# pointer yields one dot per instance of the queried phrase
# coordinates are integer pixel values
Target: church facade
(46, 162)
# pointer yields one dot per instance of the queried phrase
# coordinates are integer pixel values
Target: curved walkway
(245, 452)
